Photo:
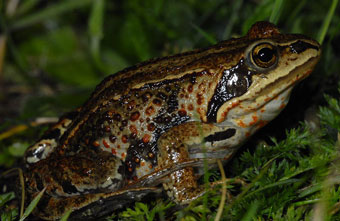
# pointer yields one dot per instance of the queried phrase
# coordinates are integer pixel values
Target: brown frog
(158, 121)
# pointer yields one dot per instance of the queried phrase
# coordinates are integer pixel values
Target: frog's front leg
(187, 141)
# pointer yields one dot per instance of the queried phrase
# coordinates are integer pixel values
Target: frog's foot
(89, 206)
(182, 186)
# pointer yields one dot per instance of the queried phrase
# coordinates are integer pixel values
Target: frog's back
(130, 110)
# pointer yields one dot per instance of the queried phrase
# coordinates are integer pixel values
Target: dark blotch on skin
(161, 95)
(223, 135)
(134, 116)
(234, 83)
(53, 134)
(43, 202)
(117, 117)
(68, 187)
(301, 46)
(70, 115)
(40, 185)
(139, 150)
(112, 138)
(172, 102)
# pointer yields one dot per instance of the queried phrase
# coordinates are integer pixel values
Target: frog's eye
(264, 55)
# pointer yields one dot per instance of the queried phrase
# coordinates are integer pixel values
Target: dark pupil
(265, 54)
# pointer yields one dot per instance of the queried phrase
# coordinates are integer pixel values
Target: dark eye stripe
(301, 46)
(234, 83)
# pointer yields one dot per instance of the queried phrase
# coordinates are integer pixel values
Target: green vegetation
(53, 54)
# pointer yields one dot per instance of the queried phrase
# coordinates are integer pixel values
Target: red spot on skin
(225, 113)
(146, 138)
(262, 110)
(182, 113)
(131, 105)
(150, 166)
(190, 107)
(110, 113)
(262, 123)
(123, 155)
(113, 151)
(151, 127)
(133, 129)
(107, 128)
(267, 99)
(282, 105)
(150, 110)
(190, 88)
(255, 119)
(200, 99)
(106, 144)
(124, 139)
(134, 116)
(157, 102)
(118, 146)
(96, 143)
(201, 112)
(241, 124)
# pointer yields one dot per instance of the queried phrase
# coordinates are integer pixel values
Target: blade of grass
(48, 13)
(247, 188)
(232, 19)
(224, 192)
(22, 183)
(207, 36)
(26, 6)
(295, 12)
(11, 7)
(95, 27)
(32, 205)
(3, 40)
(326, 22)
(279, 183)
(251, 212)
(274, 17)
(66, 215)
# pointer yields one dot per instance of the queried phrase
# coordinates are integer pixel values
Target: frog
(151, 127)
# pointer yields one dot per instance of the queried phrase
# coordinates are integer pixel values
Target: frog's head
(268, 67)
